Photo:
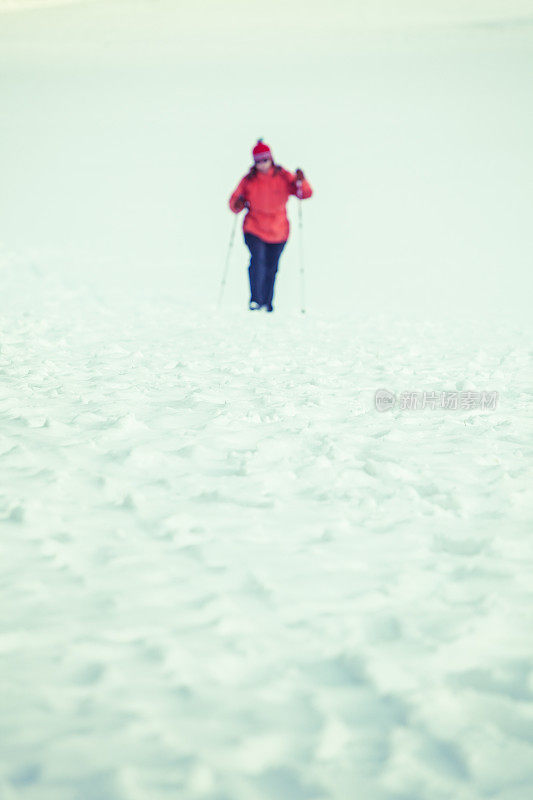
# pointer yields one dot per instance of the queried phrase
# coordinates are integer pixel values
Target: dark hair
(253, 170)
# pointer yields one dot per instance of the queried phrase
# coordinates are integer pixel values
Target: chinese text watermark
(385, 400)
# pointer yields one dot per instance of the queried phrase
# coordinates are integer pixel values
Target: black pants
(263, 267)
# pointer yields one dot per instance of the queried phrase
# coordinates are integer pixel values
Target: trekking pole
(226, 266)
(302, 275)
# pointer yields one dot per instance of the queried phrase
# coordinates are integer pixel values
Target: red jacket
(267, 194)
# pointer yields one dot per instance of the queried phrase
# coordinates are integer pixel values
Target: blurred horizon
(365, 13)
(128, 124)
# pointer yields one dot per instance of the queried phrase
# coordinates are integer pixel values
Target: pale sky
(415, 139)
(355, 13)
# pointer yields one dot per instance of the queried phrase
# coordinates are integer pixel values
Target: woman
(264, 192)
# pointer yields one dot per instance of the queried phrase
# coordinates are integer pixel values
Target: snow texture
(226, 575)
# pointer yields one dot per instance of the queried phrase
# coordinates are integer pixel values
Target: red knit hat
(261, 150)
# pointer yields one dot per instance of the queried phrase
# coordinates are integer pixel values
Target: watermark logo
(385, 400)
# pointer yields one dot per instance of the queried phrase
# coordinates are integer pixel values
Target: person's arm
(238, 199)
(299, 186)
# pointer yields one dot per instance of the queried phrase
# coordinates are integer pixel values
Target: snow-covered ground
(224, 574)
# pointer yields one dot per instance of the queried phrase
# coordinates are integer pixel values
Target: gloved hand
(299, 178)
(241, 203)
